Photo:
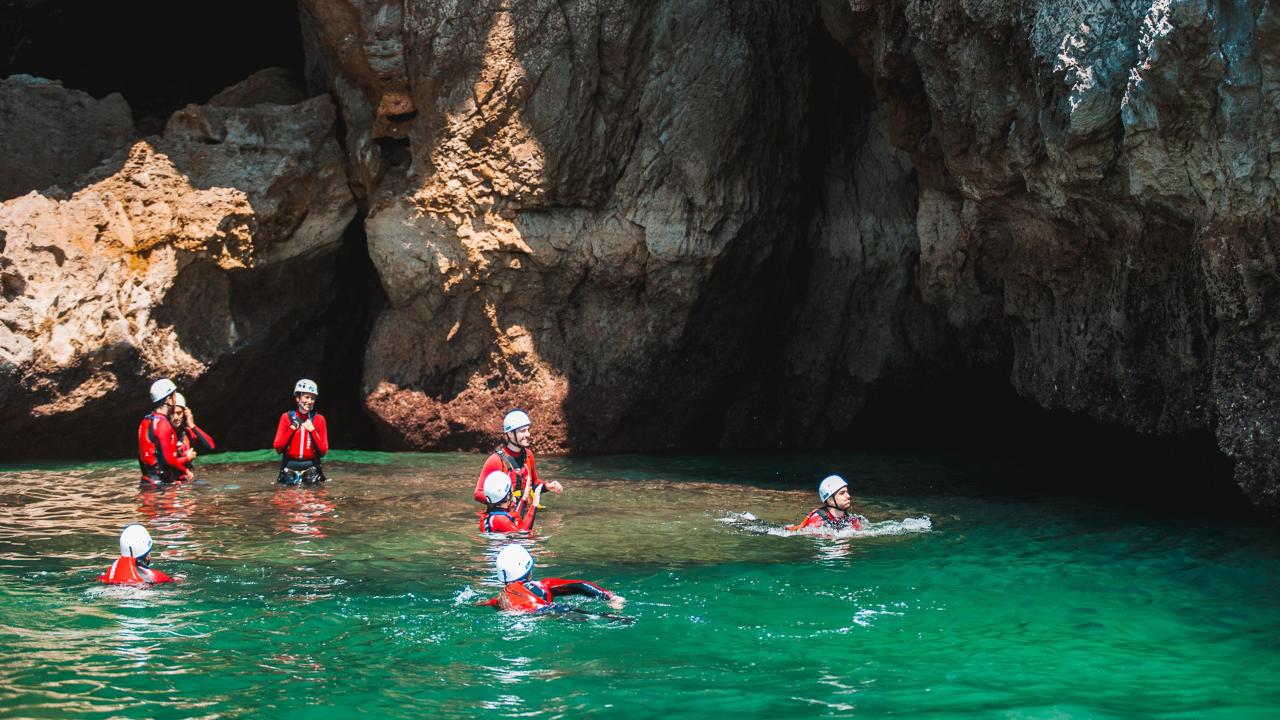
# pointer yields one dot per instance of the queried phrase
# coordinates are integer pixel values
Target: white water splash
(465, 596)
(747, 522)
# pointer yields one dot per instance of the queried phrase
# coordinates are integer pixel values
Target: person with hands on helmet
(189, 434)
(133, 567)
(515, 459)
(302, 438)
(835, 511)
(521, 593)
(158, 454)
(504, 514)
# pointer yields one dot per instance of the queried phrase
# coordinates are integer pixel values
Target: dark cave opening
(148, 51)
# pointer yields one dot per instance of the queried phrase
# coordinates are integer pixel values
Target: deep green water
(356, 599)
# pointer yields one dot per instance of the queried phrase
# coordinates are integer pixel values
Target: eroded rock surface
(553, 189)
(184, 255)
(1096, 191)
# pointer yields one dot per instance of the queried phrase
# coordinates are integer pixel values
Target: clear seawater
(356, 599)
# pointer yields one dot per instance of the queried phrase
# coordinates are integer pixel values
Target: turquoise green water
(356, 599)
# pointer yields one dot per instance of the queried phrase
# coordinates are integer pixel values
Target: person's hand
(555, 486)
(616, 602)
(308, 426)
(188, 475)
(191, 454)
(191, 418)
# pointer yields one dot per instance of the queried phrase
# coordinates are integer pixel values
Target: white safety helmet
(830, 485)
(162, 389)
(135, 541)
(306, 386)
(497, 486)
(513, 563)
(515, 420)
(180, 400)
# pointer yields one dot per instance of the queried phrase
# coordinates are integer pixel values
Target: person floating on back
(515, 459)
(134, 564)
(834, 513)
(504, 514)
(302, 438)
(521, 593)
(189, 435)
(158, 454)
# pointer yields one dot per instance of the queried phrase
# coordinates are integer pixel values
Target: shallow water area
(356, 598)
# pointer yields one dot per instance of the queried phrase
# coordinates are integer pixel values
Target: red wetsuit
(126, 571)
(158, 450)
(298, 444)
(821, 518)
(519, 466)
(537, 595)
(498, 520)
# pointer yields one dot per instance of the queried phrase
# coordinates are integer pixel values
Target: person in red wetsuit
(515, 459)
(302, 438)
(134, 564)
(158, 455)
(521, 593)
(189, 434)
(504, 514)
(835, 511)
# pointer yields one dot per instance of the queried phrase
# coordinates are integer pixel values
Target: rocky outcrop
(184, 254)
(1095, 195)
(568, 203)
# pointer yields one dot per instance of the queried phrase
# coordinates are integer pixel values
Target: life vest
(524, 596)
(304, 445)
(849, 520)
(487, 523)
(517, 468)
(125, 571)
(150, 454)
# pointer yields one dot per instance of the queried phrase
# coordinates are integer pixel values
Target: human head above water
(135, 542)
(834, 491)
(515, 429)
(514, 563)
(497, 487)
(162, 392)
(305, 392)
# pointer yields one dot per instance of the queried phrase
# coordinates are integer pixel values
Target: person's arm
(502, 524)
(490, 465)
(320, 436)
(203, 438)
(531, 511)
(168, 440)
(284, 433)
(559, 586)
(810, 520)
(490, 601)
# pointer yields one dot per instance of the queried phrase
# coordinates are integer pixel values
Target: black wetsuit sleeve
(558, 587)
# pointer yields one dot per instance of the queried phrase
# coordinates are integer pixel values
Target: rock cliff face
(667, 224)
(177, 255)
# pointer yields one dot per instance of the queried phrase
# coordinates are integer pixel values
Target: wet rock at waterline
(168, 258)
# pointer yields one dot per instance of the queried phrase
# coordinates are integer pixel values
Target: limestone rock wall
(173, 256)
(1096, 195)
(551, 189)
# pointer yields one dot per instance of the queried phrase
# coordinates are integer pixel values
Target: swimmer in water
(521, 593)
(835, 511)
(504, 514)
(134, 564)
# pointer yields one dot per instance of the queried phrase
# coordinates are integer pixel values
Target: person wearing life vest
(302, 438)
(515, 459)
(835, 511)
(189, 435)
(158, 454)
(504, 514)
(134, 564)
(521, 593)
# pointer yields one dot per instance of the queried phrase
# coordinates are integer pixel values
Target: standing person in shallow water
(302, 438)
(504, 514)
(521, 593)
(835, 511)
(134, 564)
(515, 459)
(189, 435)
(158, 455)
